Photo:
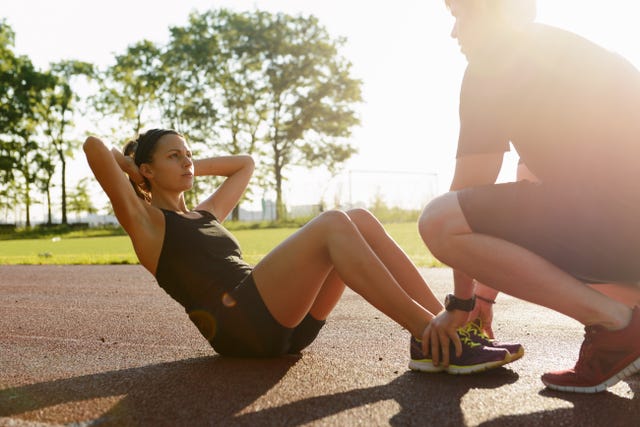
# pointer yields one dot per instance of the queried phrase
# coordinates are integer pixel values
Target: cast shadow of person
(215, 391)
(199, 391)
(424, 399)
(589, 410)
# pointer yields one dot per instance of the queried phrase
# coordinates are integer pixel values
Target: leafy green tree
(35, 112)
(9, 111)
(43, 179)
(57, 112)
(80, 199)
(12, 107)
(20, 150)
(24, 162)
(27, 160)
(187, 103)
(214, 48)
(186, 100)
(7, 202)
(310, 94)
(130, 87)
(243, 94)
(274, 85)
(228, 73)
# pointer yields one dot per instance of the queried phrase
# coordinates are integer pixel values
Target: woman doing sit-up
(279, 305)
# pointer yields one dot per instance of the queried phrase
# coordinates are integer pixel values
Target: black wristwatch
(452, 303)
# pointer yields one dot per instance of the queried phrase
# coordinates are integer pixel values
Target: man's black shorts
(594, 237)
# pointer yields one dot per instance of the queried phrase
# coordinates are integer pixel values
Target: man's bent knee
(442, 219)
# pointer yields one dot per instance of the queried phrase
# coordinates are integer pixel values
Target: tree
(35, 113)
(22, 156)
(242, 89)
(7, 202)
(80, 200)
(215, 48)
(9, 111)
(251, 82)
(130, 87)
(58, 108)
(310, 94)
(43, 179)
(276, 84)
(187, 101)
(24, 160)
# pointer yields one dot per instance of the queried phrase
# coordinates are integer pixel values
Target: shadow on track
(215, 391)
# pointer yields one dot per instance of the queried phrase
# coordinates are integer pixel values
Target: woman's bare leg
(395, 259)
(291, 277)
(391, 255)
(330, 292)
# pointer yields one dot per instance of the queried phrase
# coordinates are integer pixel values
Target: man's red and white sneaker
(606, 357)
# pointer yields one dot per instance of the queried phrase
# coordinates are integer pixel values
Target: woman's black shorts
(244, 327)
(594, 237)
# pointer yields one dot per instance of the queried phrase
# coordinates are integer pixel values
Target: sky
(402, 51)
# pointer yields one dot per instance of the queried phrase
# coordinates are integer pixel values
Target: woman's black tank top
(200, 261)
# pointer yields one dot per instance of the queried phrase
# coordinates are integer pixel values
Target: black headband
(146, 142)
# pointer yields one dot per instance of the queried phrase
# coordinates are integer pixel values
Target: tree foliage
(310, 94)
(36, 110)
(130, 86)
(80, 200)
(57, 114)
(271, 85)
(21, 95)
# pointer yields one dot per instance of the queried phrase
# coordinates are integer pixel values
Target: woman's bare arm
(128, 166)
(237, 169)
(127, 206)
(143, 223)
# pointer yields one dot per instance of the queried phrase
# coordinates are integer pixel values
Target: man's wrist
(487, 300)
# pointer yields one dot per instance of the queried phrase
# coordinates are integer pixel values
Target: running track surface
(104, 345)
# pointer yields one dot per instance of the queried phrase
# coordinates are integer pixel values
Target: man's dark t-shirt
(570, 108)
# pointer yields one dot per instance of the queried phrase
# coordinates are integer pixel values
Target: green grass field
(118, 250)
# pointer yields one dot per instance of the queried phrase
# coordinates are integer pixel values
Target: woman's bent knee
(334, 218)
(363, 218)
(359, 213)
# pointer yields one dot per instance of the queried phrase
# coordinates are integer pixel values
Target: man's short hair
(515, 11)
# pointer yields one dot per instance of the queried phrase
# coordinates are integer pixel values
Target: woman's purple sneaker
(475, 331)
(475, 358)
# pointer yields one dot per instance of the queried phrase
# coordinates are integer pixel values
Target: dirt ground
(104, 345)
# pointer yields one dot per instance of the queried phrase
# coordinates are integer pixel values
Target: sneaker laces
(473, 328)
(465, 333)
(586, 348)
